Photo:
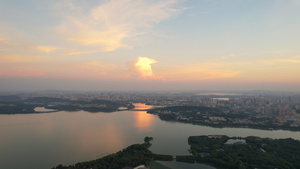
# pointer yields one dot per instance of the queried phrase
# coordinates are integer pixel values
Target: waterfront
(46, 140)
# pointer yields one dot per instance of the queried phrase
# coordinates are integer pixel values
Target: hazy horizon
(31, 84)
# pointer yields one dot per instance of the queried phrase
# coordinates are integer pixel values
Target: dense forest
(132, 156)
(254, 152)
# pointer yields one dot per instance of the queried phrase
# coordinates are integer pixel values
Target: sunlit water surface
(42, 141)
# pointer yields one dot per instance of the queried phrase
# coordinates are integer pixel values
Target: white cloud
(14, 41)
(107, 25)
(143, 66)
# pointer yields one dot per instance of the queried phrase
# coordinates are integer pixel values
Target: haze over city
(149, 45)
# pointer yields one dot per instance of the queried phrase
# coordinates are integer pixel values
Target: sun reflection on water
(144, 121)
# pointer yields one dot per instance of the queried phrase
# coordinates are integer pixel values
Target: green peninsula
(20, 105)
(218, 117)
(132, 156)
(219, 151)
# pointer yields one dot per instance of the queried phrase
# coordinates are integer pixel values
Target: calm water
(42, 141)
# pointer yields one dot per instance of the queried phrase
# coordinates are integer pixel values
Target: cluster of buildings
(251, 108)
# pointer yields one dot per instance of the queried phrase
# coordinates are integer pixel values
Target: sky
(129, 45)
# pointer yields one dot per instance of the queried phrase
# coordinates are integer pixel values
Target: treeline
(132, 156)
(73, 105)
(256, 153)
(188, 111)
(16, 108)
(201, 116)
(185, 158)
(18, 105)
(162, 157)
(191, 110)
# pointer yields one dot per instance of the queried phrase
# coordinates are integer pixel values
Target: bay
(42, 141)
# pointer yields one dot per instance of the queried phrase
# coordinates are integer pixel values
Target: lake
(42, 141)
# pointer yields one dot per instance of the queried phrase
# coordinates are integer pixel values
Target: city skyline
(149, 45)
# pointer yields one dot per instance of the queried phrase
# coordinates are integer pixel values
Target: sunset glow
(150, 45)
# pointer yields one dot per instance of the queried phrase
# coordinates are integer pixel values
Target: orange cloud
(22, 59)
(47, 49)
(143, 66)
(22, 45)
(77, 52)
(199, 71)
